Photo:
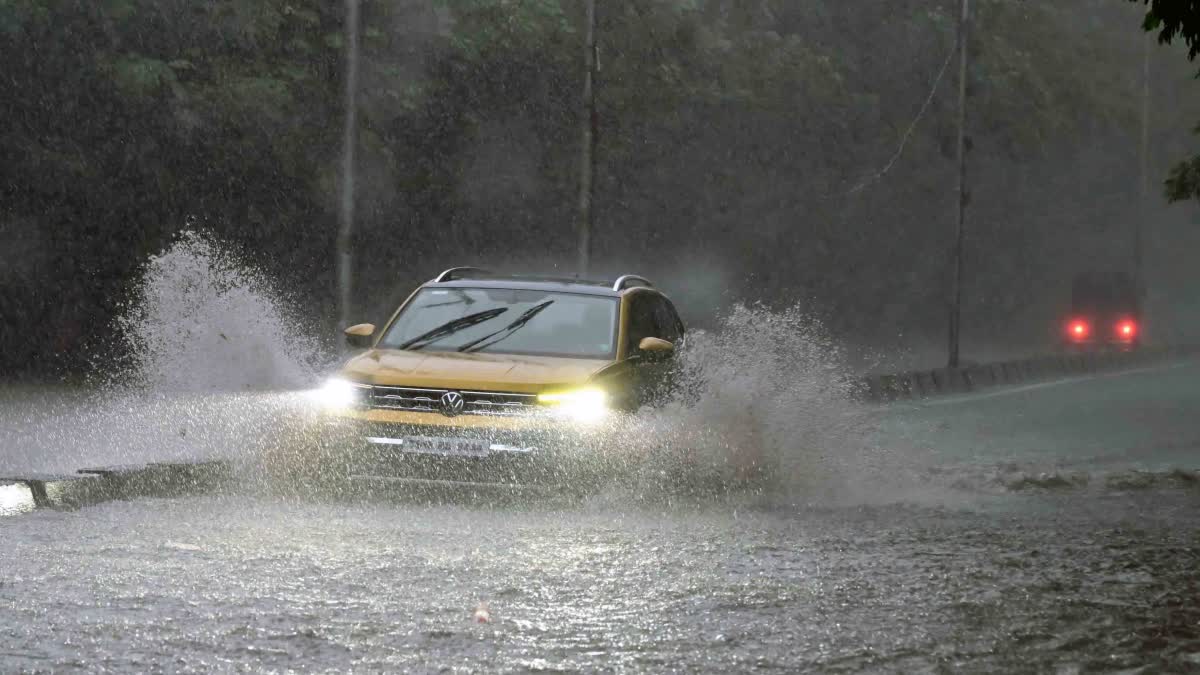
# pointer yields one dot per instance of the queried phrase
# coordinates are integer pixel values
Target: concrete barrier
(979, 377)
(1012, 374)
(887, 387)
(998, 376)
(950, 381)
(923, 382)
(26, 492)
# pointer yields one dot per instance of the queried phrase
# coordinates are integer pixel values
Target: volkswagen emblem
(452, 403)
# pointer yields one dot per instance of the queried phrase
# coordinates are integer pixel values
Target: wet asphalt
(1050, 530)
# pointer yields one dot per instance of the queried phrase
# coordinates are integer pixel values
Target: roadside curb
(25, 492)
(919, 384)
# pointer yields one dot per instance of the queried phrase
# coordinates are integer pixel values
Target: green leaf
(119, 10)
(307, 16)
(15, 15)
(1183, 183)
(140, 76)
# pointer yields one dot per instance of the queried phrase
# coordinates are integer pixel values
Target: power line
(878, 175)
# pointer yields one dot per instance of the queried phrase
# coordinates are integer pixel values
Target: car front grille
(495, 403)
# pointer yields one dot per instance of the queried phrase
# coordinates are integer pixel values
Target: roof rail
(457, 273)
(629, 281)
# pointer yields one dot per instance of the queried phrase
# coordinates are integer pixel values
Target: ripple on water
(195, 582)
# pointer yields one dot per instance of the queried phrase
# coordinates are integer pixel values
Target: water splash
(206, 353)
(203, 320)
(763, 403)
(763, 406)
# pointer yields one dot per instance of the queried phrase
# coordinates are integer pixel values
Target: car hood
(473, 371)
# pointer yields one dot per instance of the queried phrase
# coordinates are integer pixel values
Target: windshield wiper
(465, 300)
(451, 327)
(503, 333)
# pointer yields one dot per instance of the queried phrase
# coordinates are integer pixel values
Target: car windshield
(506, 321)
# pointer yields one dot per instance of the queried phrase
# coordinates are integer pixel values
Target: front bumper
(429, 449)
(1115, 345)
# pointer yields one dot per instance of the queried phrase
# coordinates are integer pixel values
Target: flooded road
(203, 584)
(1052, 528)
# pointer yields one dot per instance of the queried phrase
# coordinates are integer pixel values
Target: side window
(666, 321)
(641, 321)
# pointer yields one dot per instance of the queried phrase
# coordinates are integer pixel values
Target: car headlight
(580, 405)
(340, 394)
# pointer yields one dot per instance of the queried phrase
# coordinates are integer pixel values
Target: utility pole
(1144, 205)
(589, 127)
(345, 238)
(957, 282)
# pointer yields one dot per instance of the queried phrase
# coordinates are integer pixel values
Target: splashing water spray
(762, 404)
(206, 357)
(202, 320)
(216, 362)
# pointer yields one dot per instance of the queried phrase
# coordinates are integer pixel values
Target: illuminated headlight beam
(339, 394)
(582, 405)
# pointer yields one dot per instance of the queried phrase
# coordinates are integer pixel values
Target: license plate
(426, 445)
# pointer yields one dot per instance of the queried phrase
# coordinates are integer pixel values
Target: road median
(919, 384)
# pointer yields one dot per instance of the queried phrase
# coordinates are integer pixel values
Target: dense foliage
(1172, 19)
(746, 150)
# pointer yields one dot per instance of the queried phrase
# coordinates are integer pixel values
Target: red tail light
(1078, 329)
(1127, 329)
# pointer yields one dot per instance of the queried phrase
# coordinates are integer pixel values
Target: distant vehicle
(478, 379)
(1105, 313)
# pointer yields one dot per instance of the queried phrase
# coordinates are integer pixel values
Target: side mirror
(359, 337)
(656, 349)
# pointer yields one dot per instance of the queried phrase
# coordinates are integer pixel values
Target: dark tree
(1178, 19)
(1174, 19)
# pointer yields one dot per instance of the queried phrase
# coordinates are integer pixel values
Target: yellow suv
(486, 379)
